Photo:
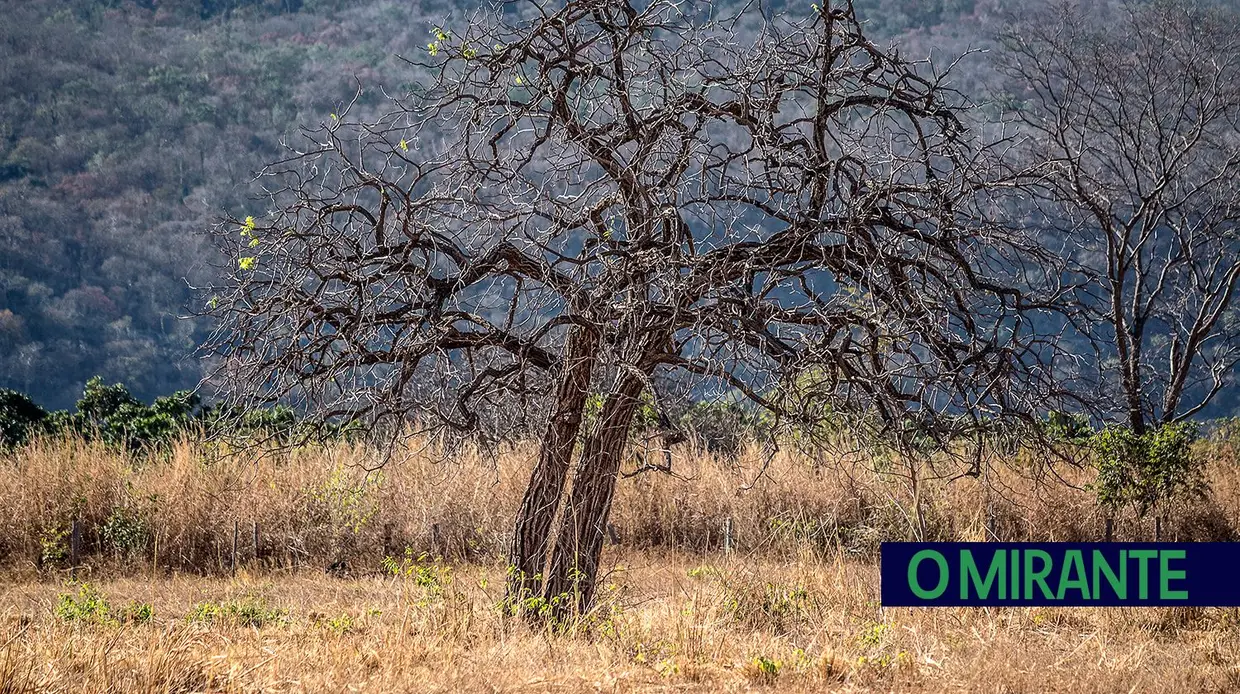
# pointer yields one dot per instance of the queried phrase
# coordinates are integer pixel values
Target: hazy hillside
(126, 128)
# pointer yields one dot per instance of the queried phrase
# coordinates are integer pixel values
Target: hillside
(128, 128)
(124, 132)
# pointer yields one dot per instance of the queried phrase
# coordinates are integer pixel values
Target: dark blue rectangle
(1077, 574)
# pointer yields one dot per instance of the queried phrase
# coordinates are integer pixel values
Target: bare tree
(584, 199)
(1134, 114)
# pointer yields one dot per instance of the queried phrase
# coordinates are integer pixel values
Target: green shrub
(125, 532)
(1148, 470)
(1068, 427)
(116, 416)
(111, 413)
(20, 418)
(53, 545)
(89, 606)
(720, 428)
(246, 613)
(138, 613)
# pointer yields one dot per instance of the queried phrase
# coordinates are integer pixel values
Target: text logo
(1060, 573)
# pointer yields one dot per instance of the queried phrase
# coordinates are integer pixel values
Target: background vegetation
(126, 128)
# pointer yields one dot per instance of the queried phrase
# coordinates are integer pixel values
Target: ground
(665, 622)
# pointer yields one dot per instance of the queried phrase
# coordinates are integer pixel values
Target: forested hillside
(128, 128)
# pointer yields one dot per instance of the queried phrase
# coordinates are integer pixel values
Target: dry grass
(319, 506)
(668, 623)
(795, 608)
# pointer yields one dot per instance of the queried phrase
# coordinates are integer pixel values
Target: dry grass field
(794, 607)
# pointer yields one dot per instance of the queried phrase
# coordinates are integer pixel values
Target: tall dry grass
(347, 506)
(794, 607)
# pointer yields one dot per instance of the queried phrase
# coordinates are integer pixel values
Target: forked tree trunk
(528, 553)
(574, 564)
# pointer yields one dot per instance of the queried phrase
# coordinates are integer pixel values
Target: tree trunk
(574, 561)
(528, 554)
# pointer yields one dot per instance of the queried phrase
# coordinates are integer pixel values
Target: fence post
(436, 541)
(236, 524)
(75, 546)
(727, 535)
(256, 551)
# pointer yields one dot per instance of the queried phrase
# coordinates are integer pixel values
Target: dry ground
(666, 623)
(794, 608)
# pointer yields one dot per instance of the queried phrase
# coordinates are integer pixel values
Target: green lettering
(1039, 576)
(969, 574)
(912, 574)
(1073, 560)
(1015, 592)
(1166, 575)
(1143, 556)
(1119, 585)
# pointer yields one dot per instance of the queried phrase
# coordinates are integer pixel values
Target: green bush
(124, 421)
(125, 532)
(112, 414)
(1148, 470)
(244, 613)
(88, 606)
(1068, 427)
(20, 418)
(720, 428)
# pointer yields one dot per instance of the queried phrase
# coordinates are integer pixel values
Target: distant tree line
(111, 414)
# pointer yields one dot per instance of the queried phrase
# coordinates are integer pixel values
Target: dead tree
(580, 199)
(1134, 115)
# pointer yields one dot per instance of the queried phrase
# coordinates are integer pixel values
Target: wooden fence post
(75, 546)
(727, 535)
(236, 525)
(257, 556)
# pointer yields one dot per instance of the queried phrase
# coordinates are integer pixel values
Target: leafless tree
(1133, 112)
(584, 198)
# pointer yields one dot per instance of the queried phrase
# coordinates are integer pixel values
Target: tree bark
(528, 554)
(573, 571)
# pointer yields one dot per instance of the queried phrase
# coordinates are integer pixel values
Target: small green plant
(340, 624)
(246, 613)
(53, 545)
(765, 669)
(704, 571)
(126, 532)
(422, 570)
(89, 606)
(872, 636)
(138, 613)
(668, 667)
(350, 505)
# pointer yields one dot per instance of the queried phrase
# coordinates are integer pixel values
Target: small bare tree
(582, 199)
(1135, 115)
